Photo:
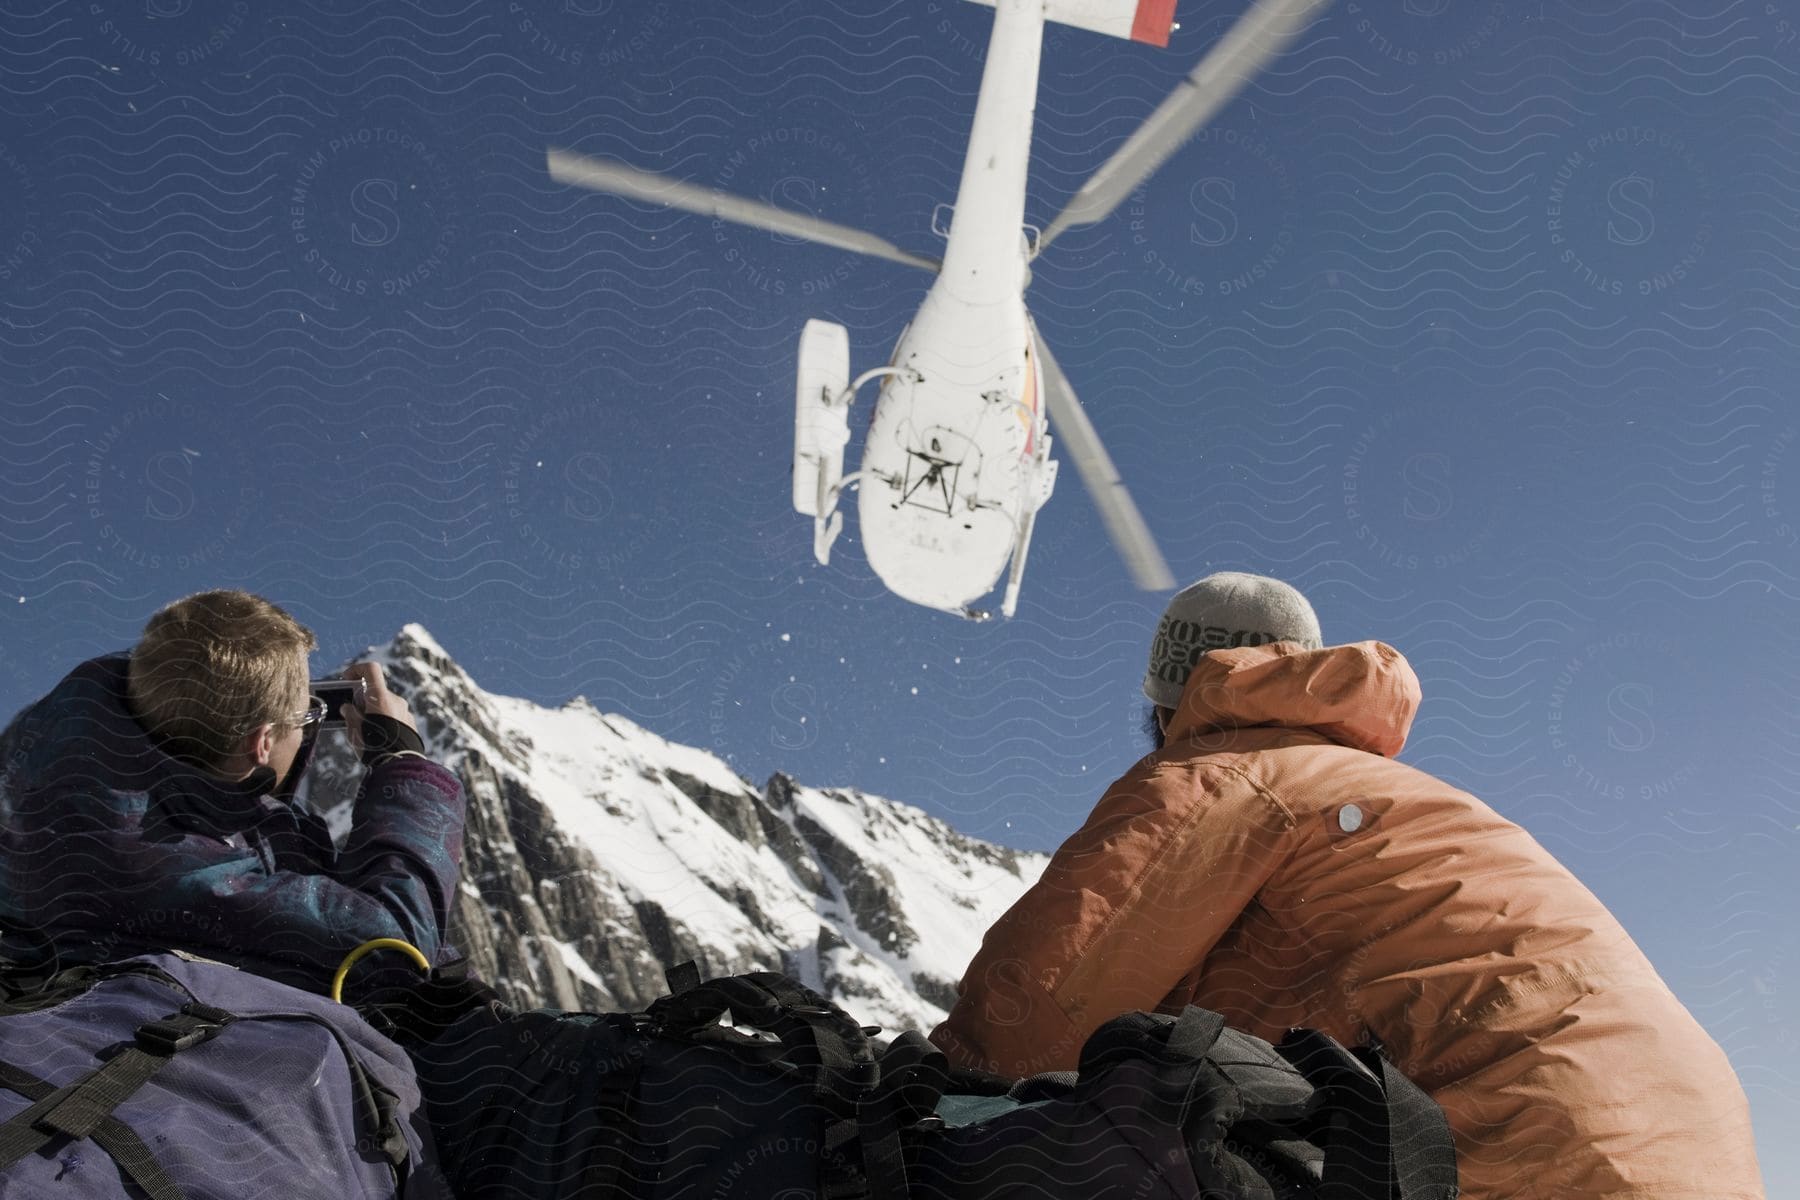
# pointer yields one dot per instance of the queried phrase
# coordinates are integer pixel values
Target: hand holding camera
(379, 722)
(335, 694)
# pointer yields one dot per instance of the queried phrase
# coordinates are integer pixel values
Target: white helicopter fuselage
(956, 461)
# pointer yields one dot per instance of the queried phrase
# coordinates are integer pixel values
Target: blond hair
(214, 666)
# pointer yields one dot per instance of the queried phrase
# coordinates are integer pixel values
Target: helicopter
(956, 461)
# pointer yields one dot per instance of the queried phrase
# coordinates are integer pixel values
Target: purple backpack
(193, 1080)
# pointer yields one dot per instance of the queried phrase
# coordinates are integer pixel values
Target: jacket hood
(83, 735)
(1363, 695)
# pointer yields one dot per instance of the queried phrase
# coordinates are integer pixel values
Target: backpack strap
(914, 1074)
(683, 977)
(616, 1105)
(1358, 1159)
(1195, 1032)
(1424, 1153)
(23, 991)
(1384, 1138)
(79, 1109)
(421, 1010)
(29, 991)
(111, 1134)
(1188, 1038)
(1045, 1085)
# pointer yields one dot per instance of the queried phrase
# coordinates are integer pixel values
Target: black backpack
(754, 1086)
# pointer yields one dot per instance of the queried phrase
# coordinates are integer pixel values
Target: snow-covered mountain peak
(599, 853)
(415, 635)
(454, 714)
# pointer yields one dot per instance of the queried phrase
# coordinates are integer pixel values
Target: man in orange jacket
(1272, 862)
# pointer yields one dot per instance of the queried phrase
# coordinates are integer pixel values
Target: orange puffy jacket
(1274, 864)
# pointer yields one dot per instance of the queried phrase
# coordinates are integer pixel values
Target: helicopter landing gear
(821, 429)
(823, 393)
(1043, 482)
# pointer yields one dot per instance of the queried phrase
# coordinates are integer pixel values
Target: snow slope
(598, 854)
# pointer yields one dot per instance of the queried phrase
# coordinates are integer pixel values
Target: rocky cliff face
(599, 854)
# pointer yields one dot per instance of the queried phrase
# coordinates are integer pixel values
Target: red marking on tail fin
(1152, 21)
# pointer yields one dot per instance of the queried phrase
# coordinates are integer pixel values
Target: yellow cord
(369, 947)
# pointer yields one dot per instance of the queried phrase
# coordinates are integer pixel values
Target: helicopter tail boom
(1140, 20)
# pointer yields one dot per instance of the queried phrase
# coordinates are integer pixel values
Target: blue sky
(1475, 321)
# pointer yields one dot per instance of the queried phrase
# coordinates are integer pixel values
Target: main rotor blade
(1259, 36)
(1124, 524)
(604, 175)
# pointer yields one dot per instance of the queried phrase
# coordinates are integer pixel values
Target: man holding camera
(146, 804)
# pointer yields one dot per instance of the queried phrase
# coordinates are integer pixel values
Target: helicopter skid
(821, 429)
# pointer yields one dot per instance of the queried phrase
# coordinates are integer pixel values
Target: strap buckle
(195, 1023)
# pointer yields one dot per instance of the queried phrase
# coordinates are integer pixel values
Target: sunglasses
(313, 716)
(328, 696)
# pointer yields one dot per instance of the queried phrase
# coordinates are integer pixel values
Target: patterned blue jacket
(109, 847)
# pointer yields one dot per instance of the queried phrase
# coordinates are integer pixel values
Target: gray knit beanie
(1227, 609)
